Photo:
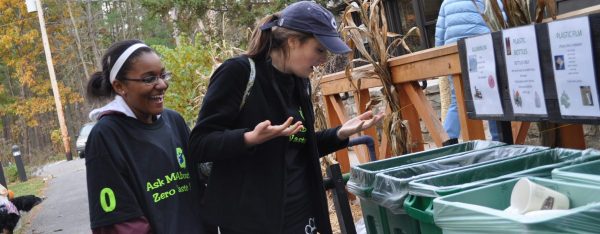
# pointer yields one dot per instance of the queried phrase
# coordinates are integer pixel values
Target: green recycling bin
(419, 203)
(374, 217)
(585, 173)
(391, 187)
(362, 177)
(481, 210)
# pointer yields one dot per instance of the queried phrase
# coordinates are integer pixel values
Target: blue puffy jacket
(458, 19)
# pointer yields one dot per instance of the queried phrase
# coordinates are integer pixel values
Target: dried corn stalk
(516, 11)
(548, 6)
(492, 15)
(374, 32)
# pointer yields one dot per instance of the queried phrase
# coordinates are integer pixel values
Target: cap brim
(334, 44)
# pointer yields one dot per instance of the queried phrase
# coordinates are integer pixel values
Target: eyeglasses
(152, 80)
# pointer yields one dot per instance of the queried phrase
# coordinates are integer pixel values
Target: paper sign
(574, 75)
(482, 75)
(523, 70)
(31, 6)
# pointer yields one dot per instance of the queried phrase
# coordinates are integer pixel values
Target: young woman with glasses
(138, 177)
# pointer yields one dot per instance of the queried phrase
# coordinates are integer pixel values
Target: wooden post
(55, 91)
(424, 109)
(409, 113)
(361, 99)
(571, 136)
(520, 131)
(469, 129)
(336, 115)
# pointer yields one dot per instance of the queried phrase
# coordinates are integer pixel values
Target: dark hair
(99, 86)
(263, 41)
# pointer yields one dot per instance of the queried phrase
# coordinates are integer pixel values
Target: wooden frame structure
(406, 71)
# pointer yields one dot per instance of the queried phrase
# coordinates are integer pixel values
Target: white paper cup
(527, 196)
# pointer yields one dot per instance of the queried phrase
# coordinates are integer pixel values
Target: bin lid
(539, 164)
(391, 187)
(481, 210)
(362, 176)
(585, 173)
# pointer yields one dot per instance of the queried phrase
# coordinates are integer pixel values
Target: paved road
(65, 209)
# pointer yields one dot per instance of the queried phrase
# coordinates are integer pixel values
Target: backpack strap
(206, 168)
(250, 82)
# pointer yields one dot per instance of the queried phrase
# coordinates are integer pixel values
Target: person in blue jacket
(458, 19)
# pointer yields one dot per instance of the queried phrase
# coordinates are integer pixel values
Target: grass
(33, 185)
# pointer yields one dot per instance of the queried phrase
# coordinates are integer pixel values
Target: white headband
(121, 60)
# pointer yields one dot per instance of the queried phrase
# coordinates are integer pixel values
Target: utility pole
(55, 92)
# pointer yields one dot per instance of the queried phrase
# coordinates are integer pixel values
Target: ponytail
(259, 46)
(98, 87)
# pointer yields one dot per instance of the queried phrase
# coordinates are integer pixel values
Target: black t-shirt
(297, 207)
(136, 169)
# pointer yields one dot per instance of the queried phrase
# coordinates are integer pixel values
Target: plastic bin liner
(480, 210)
(538, 164)
(390, 188)
(585, 173)
(362, 176)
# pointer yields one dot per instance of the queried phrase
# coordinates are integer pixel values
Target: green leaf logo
(180, 157)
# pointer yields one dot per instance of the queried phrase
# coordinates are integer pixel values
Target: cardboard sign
(523, 71)
(482, 75)
(574, 73)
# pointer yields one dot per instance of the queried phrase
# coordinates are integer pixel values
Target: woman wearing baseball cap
(256, 126)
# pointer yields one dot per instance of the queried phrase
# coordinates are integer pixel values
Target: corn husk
(373, 32)
(517, 13)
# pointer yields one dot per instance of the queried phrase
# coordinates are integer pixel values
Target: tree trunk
(6, 123)
(37, 143)
(92, 35)
(78, 42)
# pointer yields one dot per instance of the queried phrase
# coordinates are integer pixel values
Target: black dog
(26, 203)
(8, 221)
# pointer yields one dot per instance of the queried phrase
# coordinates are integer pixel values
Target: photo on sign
(586, 96)
(507, 42)
(491, 81)
(565, 100)
(517, 98)
(477, 95)
(472, 63)
(559, 62)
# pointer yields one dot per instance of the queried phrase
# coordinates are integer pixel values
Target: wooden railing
(406, 71)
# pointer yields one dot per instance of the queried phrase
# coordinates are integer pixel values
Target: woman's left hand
(358, 123)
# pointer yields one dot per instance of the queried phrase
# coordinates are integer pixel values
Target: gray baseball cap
(310, 17)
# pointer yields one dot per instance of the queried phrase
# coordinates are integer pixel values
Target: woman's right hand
(264, 131)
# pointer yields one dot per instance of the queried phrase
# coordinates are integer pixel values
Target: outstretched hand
(264, 131)
(358, 123)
